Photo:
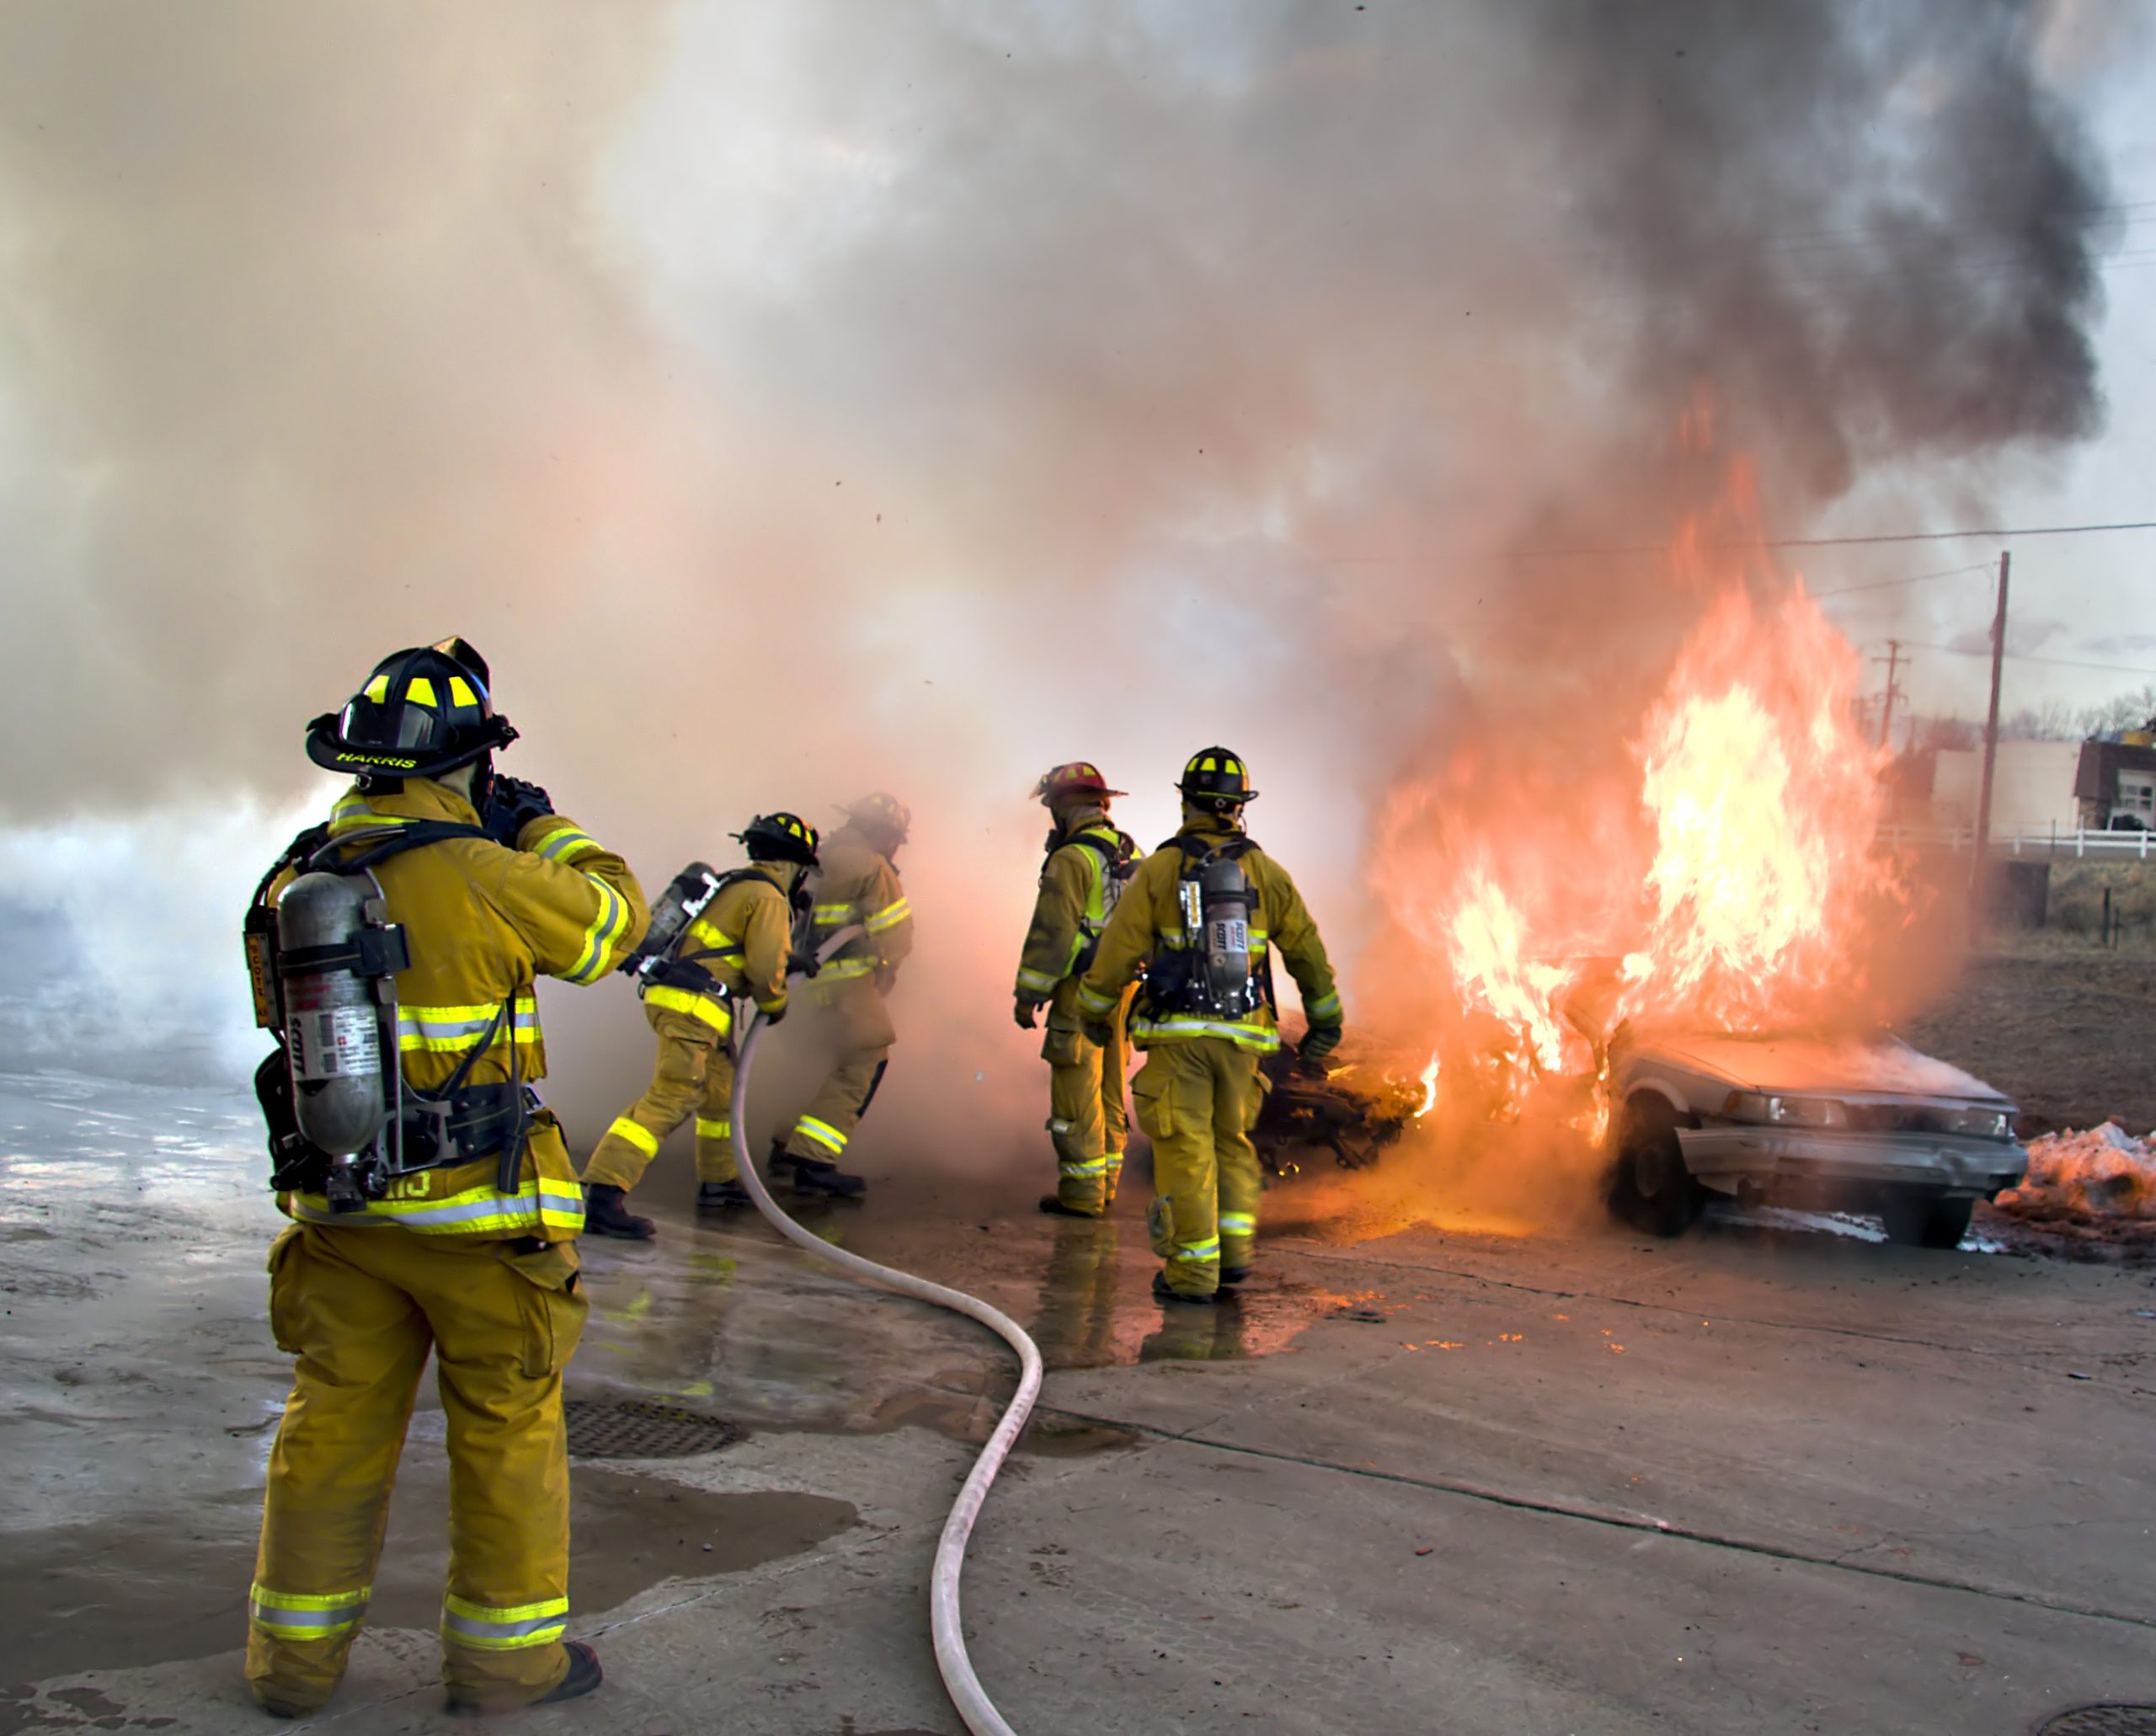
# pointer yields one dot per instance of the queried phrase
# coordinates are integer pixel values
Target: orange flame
(1720, 875)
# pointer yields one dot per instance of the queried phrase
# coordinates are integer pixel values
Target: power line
(1907, 578)
(2029, 657)
(1982, 531)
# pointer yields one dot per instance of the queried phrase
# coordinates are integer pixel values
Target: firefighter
(738, 948)
(856, 884)
(1204, 916)
(1089, 862)
(491, 890)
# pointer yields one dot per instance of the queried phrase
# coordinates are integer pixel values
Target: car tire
(1650, 1188)
(1926, 1220)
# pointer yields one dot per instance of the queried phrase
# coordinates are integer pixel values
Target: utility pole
(1991, 727)
(1892, 660)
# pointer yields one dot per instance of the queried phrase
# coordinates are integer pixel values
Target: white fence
(2045, 844)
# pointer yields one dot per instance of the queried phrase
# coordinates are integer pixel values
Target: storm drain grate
(2103, 1720)
(638, 1428)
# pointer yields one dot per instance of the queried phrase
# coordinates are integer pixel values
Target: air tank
(333, 1020)
(1224, 895)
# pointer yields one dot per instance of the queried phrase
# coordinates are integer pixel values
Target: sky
(796, 401)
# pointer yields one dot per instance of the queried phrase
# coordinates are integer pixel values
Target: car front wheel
(1651, 1188)
(1926, 1220)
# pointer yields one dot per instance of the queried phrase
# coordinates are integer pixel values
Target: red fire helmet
(1079, 777)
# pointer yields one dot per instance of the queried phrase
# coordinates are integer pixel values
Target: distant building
(2034, 786)
(2115, 784)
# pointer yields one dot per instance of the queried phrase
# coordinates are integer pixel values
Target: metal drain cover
(640, 1428)
(2103, 1720)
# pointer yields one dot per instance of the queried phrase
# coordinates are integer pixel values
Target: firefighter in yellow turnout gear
(737, 948)
(1089, 861)
(438, 1259)
(856, 884)
(1204, 916)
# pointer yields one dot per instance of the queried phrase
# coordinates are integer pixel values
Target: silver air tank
(1224, 892)
(334, 1021)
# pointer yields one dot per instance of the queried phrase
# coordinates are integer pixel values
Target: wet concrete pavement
(1417, 1479)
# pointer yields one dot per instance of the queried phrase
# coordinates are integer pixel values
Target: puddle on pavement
(126, 1593)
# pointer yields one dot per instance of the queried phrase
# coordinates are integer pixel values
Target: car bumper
(1726, 1157)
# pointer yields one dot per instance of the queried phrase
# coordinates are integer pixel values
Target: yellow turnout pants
(360, 1308)
(692, 1076)
(1087, 1122)
(849, 1014)
(1197, 1098)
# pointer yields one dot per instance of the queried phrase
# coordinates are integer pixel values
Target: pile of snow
(2107, 1173)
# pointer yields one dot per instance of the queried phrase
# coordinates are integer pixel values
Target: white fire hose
(956, 1670)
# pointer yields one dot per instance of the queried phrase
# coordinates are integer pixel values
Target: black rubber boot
(826, 1180)
(604, 1214)
(584, 1674)
(1234, 1274)
(722, 1196)
(1056, 1208)
(1162, 1292)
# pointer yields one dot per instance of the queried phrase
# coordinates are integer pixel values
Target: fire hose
(952, 1663)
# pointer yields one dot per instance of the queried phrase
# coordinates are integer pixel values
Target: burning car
(1861, 1124)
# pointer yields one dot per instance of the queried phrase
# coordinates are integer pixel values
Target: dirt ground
(2068, 1031)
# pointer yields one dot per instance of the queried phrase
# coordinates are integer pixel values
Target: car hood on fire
(1881, 1065)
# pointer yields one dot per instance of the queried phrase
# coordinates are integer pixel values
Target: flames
(1707, 863)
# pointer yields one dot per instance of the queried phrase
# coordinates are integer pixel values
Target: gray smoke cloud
(795, 400)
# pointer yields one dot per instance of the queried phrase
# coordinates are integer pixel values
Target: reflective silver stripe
(307, 1616)
(822, 1132)
(566, 844)
(552, 1204)
(503, 1629)
(1259, 1038)
(421, 1027)
(1098, 1166)
(1238, 1223)
(1095, 1003)
(894, 913)
(1209, 1249)
(599, 937)
(1036, 980)
(1326, 1007)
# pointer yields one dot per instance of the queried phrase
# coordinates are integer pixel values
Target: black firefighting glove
(1027, 1014)
(1318, 1042)
(803, 964)
(511, 805)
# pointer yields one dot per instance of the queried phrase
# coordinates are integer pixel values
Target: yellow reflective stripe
(307, 1616)
(503, 1629)
(599, 937)
(451, 1027)
(1209, 1249)
(822, 1132)
(419, 690)
(547, 1204)
(1095, 1003)
(1097, 1166)
(1326, 1007)
(712, 1013)
(892, 914)
(1238, 1223)
(830, 915)
(707, 1128)
(459, 692)
(1036, 980)
(566, 844)
(718, 939)
(634, 1133)
(840, 969)
(378, 690)
(350, 814)
(1260, 1039)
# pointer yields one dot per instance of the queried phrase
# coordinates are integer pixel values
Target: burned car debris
(1350, 1110)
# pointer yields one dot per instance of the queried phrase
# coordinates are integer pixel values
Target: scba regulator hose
(956, 1667)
